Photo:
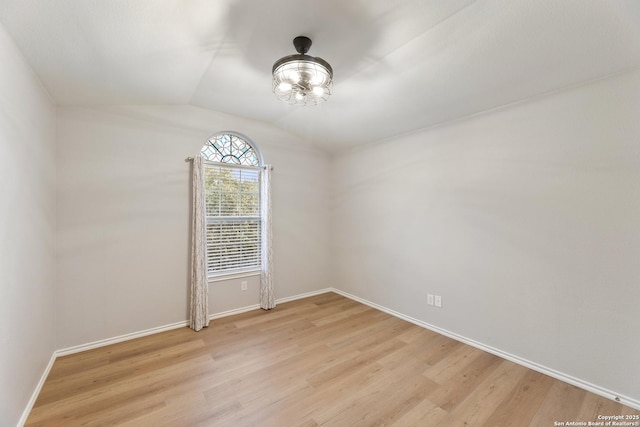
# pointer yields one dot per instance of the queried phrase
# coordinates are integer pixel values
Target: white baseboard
(278, 301)
(585, 385)
(36, 392)
(120, 338)
(234, 311)
(305, 295)
(139, 334)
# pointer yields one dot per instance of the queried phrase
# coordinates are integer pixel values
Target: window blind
(232, 218)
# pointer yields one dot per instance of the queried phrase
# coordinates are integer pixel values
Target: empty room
(320, 212)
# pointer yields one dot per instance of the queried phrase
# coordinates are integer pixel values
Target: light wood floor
(324, 360)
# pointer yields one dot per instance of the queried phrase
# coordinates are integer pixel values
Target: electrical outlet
(243, 286)
(430, 299)
(438, 301)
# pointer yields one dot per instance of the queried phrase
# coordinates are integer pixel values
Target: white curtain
(198, 313)
(267, 297)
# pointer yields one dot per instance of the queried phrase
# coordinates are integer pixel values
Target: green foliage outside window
(233, 218)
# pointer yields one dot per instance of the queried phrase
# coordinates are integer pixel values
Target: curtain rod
(190, 159)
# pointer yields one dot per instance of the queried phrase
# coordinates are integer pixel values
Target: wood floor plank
(320, 361)
(454, 391)
(406, 388)
(593, 405)
(562, 403)
(423, 414)
(490, 394)
(523, 402)
(449, 366)
(104, 375)
(329, 394)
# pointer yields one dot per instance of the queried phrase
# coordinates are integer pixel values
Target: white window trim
(242, 272)
(237, 272)
(250, 270)
(231, 275)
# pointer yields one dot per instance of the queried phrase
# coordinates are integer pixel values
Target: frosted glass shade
(302, 80)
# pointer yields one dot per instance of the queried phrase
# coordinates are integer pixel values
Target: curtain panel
(199, 303)
(267, 296)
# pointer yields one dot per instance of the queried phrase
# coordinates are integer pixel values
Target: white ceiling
(399, 65)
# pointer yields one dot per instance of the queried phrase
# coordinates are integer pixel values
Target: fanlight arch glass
(231, 148)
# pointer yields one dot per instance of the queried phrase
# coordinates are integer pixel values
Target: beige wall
(27, 231)
(525, 220)
(123, 217)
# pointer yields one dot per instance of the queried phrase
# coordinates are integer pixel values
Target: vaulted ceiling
(399, 65)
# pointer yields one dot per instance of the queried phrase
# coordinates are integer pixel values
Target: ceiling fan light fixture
(302, 79)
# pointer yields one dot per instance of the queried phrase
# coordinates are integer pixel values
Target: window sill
(231, 276)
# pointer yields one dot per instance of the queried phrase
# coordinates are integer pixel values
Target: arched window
(231, 148)
(232, 192)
